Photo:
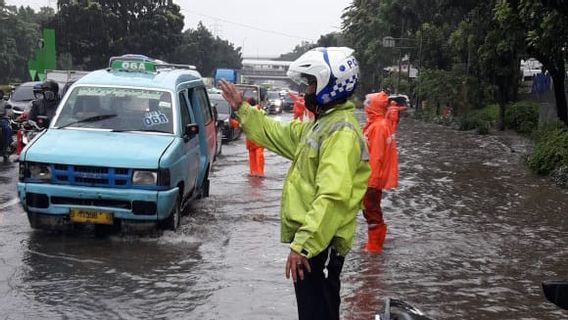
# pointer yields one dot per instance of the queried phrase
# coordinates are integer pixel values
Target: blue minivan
(129, 145)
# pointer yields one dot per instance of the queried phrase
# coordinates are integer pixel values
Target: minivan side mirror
(190, 131)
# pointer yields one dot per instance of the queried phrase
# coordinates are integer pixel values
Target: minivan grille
(91, 176)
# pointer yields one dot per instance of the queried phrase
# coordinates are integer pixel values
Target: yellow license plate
(88, 216)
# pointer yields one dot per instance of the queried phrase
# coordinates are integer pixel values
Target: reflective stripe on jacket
(327, 180)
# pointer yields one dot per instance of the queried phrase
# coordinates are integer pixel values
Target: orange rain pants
(256, 159)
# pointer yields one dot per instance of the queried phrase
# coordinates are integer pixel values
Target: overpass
(265, 71)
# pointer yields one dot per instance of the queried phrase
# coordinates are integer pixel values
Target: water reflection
(81, 277)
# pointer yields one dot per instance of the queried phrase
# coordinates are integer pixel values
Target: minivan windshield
(117, 109)
(23, 93)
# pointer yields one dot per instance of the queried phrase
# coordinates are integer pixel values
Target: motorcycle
(555, 292)
(27, 131)
(6, 149)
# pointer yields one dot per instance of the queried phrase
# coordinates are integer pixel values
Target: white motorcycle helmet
(335, 69)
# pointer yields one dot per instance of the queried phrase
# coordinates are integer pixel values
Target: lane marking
(9, 203)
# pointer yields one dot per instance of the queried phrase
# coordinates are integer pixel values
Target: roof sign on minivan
(132, 64)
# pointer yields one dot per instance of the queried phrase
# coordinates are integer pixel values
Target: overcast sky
(264, 28)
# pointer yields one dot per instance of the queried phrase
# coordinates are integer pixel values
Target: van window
(200, 96)
(184, 109)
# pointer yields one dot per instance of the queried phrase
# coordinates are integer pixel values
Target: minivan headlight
(144, 178)
(39, 171)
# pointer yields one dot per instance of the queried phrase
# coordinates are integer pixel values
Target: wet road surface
(471, 236)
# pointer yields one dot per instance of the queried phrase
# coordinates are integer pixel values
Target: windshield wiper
(90, 119)
(139, 130)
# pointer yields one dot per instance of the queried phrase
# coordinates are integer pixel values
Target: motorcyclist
(5, 128)
(44, 108)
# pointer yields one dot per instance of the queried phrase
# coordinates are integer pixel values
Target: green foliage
(522, 117)
(92, 31)
(481, 120)
(551, 150)
(439, 87)
(19, 33)
(200, 48)
(333, 39)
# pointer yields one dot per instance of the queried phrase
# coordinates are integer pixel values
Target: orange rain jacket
(379, 133)
(299, 107)
(393, 115)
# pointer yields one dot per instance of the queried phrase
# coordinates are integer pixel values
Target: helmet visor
(302, 78)
(297, 77)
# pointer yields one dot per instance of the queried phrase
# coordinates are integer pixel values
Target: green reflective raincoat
(327, 180)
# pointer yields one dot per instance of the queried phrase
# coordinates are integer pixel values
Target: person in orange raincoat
(299, 107)
(256, 151)
(383, 161)
(393, 114)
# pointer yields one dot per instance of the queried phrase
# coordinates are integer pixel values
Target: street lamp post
(390, 42)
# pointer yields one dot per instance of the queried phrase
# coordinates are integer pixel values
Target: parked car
(21, 99)
(224, 114)
(129, 145)
(274, 103)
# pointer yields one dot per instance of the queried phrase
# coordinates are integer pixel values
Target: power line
(249, 26)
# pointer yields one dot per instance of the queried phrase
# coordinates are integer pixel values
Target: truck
(231, 75)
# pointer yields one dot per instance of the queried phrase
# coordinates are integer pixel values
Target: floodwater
(472, 234)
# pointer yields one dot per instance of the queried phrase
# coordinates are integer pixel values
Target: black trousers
(317, 295)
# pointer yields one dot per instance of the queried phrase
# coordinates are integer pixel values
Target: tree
(91, 31)
(19, 33)
(547, 41)
(200, 48)
(334, 39)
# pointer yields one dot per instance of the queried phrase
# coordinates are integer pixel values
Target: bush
(551, 150)
(481, 120)
(522, 117)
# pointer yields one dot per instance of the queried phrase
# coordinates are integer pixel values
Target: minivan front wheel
(174, 219)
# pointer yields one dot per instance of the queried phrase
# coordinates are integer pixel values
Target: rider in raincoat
(379, 132)
(327, 179)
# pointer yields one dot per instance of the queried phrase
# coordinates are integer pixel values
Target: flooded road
(471, 236)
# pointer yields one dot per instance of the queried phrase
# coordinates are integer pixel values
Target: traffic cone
(376, 238)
